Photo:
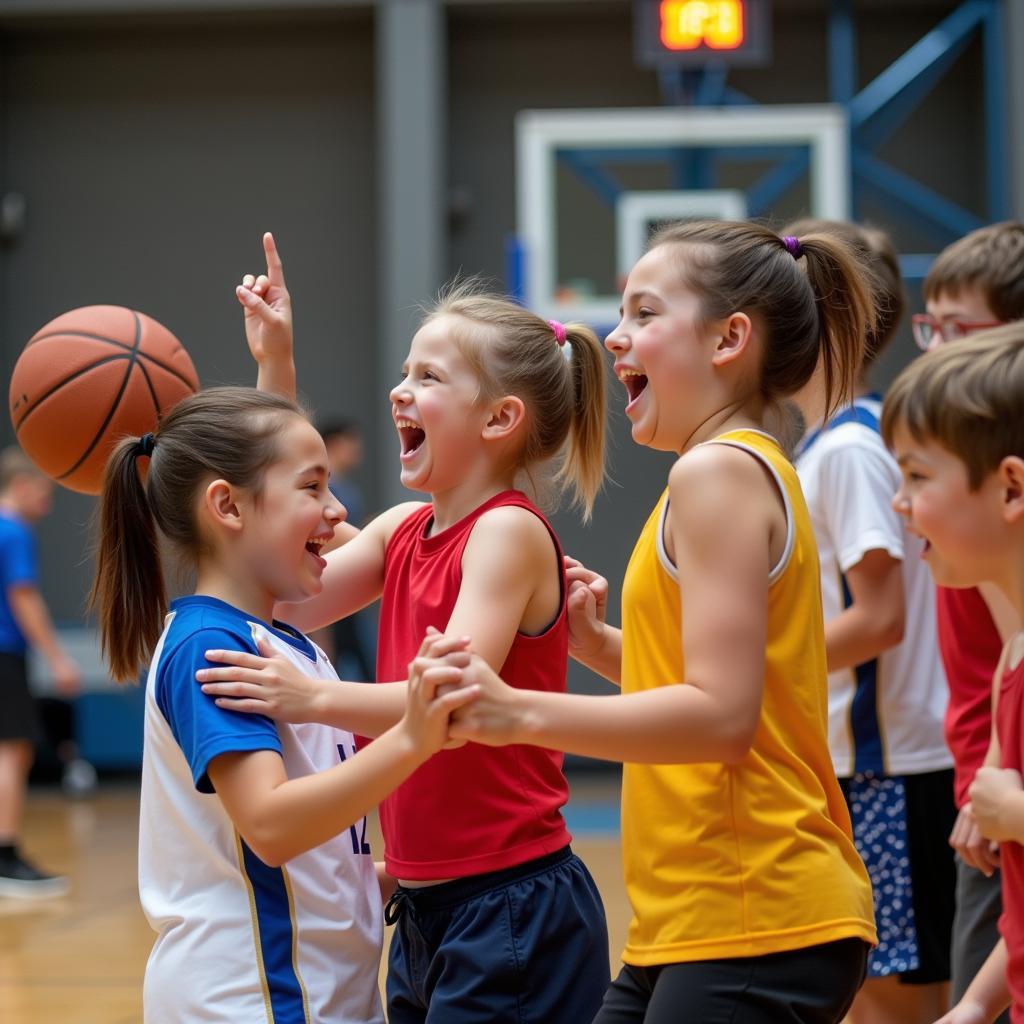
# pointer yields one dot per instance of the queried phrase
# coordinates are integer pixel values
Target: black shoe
(21, 880)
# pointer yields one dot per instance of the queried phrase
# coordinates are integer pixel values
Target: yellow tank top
(757, 857)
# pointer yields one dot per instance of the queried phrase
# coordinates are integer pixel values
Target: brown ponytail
(128, 590)
(228, 433)
(845, 313)
(583, 467)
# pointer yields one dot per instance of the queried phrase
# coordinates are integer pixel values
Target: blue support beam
(996, 121)
(842, 73)
(908, 79)
(914, 266)
(927, 204)
(515, 268)
(591, 173)
(767, 190)
(842, 53)
(875, 112)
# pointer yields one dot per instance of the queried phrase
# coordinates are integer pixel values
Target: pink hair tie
(559, 329)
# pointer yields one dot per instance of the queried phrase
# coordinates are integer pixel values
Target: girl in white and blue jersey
(254, 868)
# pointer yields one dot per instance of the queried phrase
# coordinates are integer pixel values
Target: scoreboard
(692, 33)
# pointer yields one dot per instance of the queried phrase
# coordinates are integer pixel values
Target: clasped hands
(490, 717)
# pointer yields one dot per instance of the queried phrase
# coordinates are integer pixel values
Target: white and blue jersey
(238, 941)
(885, 716)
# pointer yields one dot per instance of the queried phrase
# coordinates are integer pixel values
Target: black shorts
(17, 706)
(928, 815)
(815, 985)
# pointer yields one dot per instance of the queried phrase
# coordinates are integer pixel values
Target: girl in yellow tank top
(750, 903)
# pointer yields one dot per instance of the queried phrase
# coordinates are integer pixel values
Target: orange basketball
(88, 378)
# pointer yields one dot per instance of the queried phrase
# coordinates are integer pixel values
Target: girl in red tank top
(496, 919)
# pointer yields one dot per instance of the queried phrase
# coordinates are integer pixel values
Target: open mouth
(634, 384)
(410, 435)
(314, 547)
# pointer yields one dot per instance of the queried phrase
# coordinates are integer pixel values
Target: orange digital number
(688, 24)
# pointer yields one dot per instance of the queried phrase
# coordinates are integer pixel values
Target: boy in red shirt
(953, 421)
(976, 283)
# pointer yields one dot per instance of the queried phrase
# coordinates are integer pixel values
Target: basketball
(88, 378)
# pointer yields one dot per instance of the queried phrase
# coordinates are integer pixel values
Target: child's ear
(733, 336)
(221, 505)
(1011, 475)
(506, 415)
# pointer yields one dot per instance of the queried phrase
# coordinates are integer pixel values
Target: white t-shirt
(884, 716)
(238, 941)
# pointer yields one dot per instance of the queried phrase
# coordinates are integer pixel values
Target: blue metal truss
(875, 113)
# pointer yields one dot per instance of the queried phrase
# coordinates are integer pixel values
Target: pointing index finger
(275, 270)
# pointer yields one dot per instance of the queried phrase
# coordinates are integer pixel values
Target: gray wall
(154, 152)
(152, 161)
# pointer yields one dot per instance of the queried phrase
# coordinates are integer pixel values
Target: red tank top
(970, 646)
(1010, 726)
(476, 808)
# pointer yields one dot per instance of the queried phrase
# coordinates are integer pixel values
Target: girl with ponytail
(750, 902)
(253, 866)
(493, 402)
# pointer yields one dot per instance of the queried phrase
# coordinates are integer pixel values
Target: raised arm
(354, 576)
(268, 323)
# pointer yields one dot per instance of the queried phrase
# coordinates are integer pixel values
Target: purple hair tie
(559, 329)
(793, 246)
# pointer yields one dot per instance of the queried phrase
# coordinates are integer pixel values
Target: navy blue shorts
(526, 945)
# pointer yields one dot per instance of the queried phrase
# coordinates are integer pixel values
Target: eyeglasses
(926, 327)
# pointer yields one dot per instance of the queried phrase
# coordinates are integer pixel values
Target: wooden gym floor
(80, 959)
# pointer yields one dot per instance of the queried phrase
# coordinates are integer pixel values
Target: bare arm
(874, 622)
(33, 619)
(510, 582)
(967, 837)
(269, 685)
(280, 818)
(354, 576)
(721, 506)
(987, 995)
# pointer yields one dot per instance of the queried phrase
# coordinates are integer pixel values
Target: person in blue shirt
(25, 497)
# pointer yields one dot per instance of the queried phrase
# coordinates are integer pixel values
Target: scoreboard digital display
(690, 33)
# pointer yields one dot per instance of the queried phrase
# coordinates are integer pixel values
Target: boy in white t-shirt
(887, 689)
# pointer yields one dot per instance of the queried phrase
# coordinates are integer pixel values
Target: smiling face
(438, 410)
(663, 353)
(291, 518)
(963, 530)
